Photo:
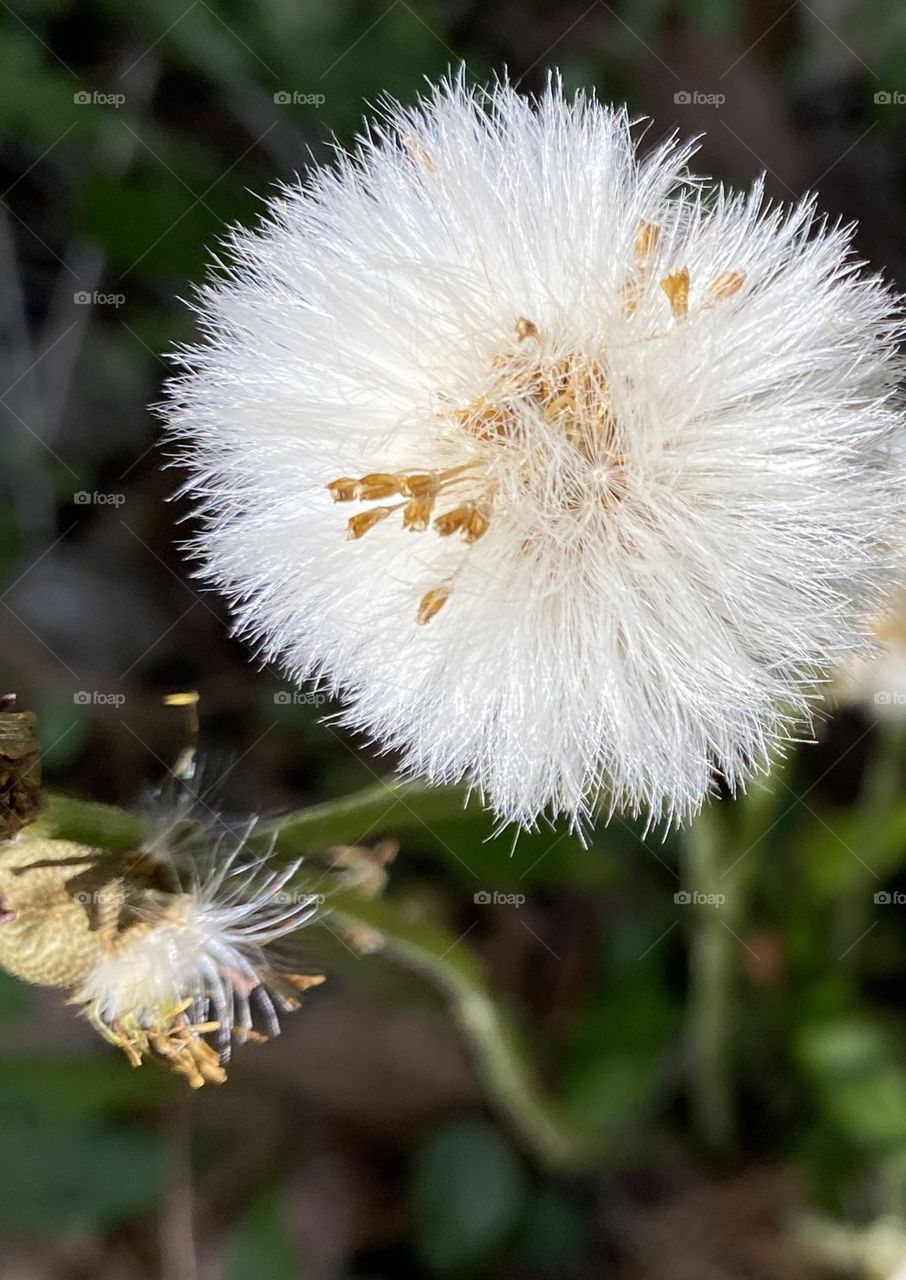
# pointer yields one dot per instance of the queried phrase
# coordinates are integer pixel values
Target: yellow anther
(726, 284)
(647, 238)
(377, 484)
(421, 485)
(357, 526)
(432, 602)
(452, 521)
(476, 526)
(344, 489)
(417, 514)
(676, 287)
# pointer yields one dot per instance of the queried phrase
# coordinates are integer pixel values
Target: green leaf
(858, 1080)
(467, 1192)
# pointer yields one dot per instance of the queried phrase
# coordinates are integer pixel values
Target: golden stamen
(647, 238)
(432, 602)
(377, 484)
(421, 485)
(357, 526)
(344, 489)
(477, 525)
(676, 287)
(452, 521)
(417, 514)
(302, 981)
(724, 286)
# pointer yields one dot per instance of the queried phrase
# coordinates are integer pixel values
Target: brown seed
(525, 329)
(417, 514)
(476, 526)
(419, 486)
(676, 287)
(452, 521)
(647, 238)
(726, 284)
(344, 489)
(358, 526)
(377, 484)
(432, 602)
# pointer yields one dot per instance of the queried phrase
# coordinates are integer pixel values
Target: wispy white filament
(668, 554)
(205, 946)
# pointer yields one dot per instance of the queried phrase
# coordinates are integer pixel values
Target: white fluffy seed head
(570, 473)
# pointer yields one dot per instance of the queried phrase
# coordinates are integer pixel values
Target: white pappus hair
(572, 474)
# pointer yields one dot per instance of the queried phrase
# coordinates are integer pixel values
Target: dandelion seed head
(571, 473)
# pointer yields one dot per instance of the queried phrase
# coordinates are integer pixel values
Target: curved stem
(506, 1078)
(710, 999)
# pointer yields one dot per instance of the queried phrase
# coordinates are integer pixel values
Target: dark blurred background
(365, 1143)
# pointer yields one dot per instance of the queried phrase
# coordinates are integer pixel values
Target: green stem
(501, 1069)
(394, 805)
(712, 948)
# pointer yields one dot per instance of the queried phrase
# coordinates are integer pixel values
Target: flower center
(545, 426)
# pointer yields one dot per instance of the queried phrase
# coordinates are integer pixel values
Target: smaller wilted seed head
(571, 473)
(161, 968)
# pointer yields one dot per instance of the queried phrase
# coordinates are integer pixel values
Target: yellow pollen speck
(676, 287)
